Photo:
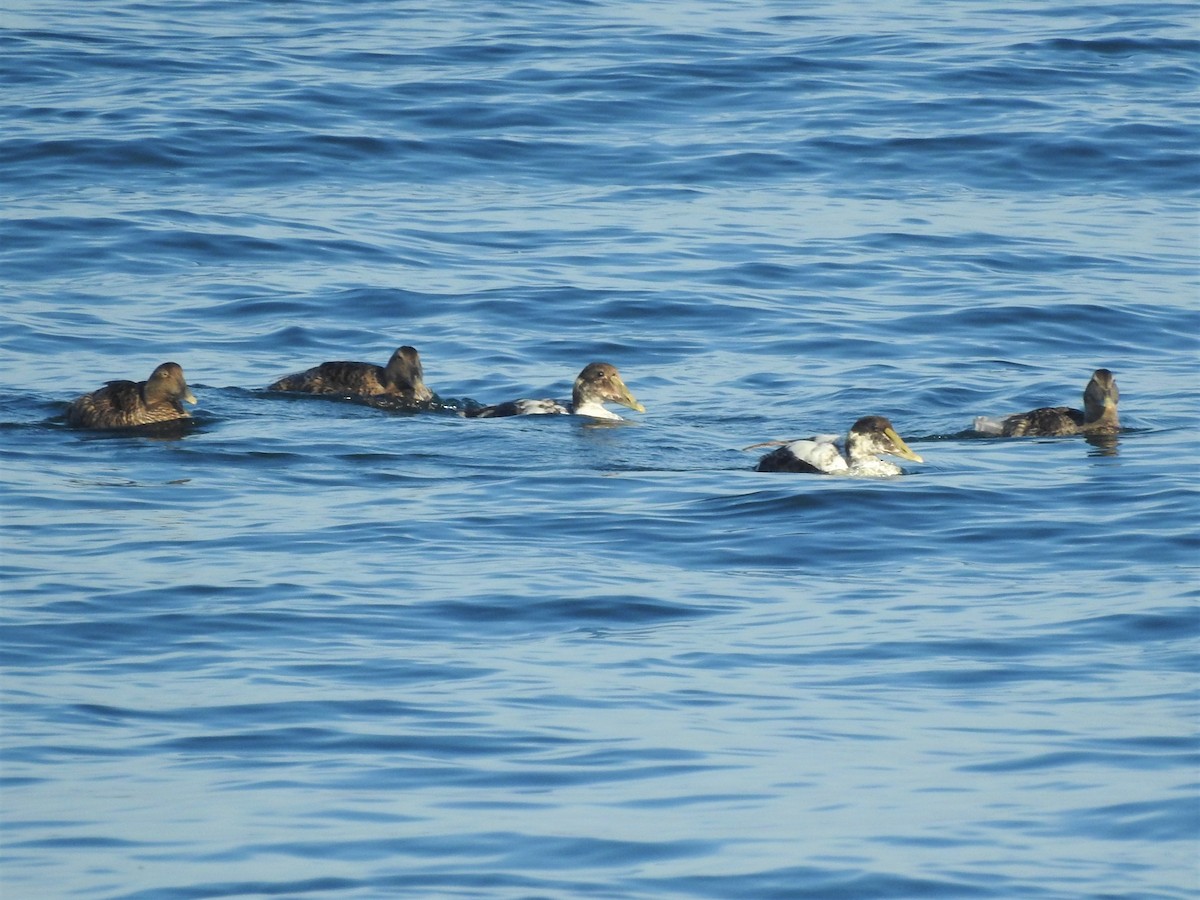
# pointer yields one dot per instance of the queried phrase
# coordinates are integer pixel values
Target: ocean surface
(310, 648)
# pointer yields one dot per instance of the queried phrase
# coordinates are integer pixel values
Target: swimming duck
(126, 404)
(1099, 415)
(402, 378)
(597, 383)
(868, 437)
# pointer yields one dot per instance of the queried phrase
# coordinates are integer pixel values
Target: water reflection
(1105, 444)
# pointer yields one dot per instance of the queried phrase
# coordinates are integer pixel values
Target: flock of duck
(159, 399)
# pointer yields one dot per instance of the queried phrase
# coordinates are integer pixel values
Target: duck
(597, 384)
(821, 455)
(128, 404)
(1099, 414)
(402, 379)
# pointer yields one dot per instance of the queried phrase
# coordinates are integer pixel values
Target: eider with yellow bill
(597, 384)
(859, 454)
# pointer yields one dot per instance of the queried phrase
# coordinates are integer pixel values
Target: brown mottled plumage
(1098, 416)
(402, 378)
(127, 404)
(1045, 421)
(597, 383)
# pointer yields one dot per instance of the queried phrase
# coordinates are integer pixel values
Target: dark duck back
(1048, 420)
(784, 460)
(127, 404)
(402, 378)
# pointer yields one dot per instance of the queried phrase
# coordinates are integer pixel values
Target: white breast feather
(595, 410)
(875, 467)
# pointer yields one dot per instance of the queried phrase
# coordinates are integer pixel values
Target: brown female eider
(402, 378)
(1099, 414)
(127, 404)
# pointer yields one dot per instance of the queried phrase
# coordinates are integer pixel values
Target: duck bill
(899, 448)
(625, 398)
(189, 396)
(422, 393)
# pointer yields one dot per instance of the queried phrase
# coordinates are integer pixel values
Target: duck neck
(858, 450)
(1100, 414)
(151, 392)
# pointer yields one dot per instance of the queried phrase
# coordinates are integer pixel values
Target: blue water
(311, 648)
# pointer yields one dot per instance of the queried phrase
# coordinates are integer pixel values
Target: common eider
(597, 384)
(868, 437)
(1099, 414)
(127, 404)
(402, 378)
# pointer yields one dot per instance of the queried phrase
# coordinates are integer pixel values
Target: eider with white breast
(402, 379)
(128, 404)
(597, 384)
(859, 455)
(1099, 414)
